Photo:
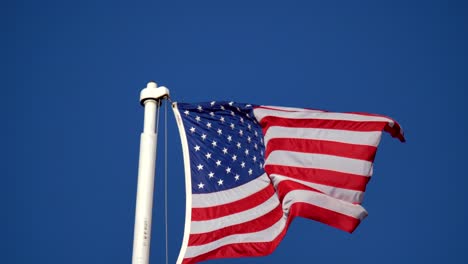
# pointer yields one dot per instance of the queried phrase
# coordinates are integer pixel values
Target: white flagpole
(150, 98)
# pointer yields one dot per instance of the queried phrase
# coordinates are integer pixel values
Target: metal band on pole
(150, 98)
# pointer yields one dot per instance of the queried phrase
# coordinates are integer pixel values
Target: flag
(251, 169)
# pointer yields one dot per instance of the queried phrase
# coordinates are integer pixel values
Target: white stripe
(371, 138)
(296, 109)
(323, 201)
(320, 161)
(234, 219)
(347, 195)
(261, 113)
(266, 235)
(228, 196)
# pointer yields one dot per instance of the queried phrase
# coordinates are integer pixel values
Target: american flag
(251, 169)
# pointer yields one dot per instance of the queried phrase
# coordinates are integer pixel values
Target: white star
(221, 119)
(238, 145)
(222, 107)
(247, 113)
(237, 177)
(225, 150)
(249, 139)
(238, 109)
(214, 143)
(208, 125)
(241, 132)
(232, 113)
(219, 131)
(212, 114)
(200, 167)
(234, 157)
(260, 165)
(255, 146)
(254, 158)
(250, 171)
(231, 103)
(256, 134)
(213, 103)
(261, 152)
(243, 164)
(208, 155)
(197, 148)
(232, 126)
(248, 105)
(218, 163)
(203, 136)
(186, 112)
(229, 138)
(242, 120)
(228, 170)
(197, 118)
(199, 108)
(220, 182)
(192, 129)
(246, 152)
(201, 185)
(211, 174)
(249, 126)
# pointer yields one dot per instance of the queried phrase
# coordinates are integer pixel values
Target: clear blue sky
(71, 76)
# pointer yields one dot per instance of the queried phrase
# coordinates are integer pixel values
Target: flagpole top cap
(152, 84)
(153, 92)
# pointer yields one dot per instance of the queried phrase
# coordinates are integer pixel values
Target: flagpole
(150, 98)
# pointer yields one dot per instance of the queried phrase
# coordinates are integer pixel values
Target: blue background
(71, 75)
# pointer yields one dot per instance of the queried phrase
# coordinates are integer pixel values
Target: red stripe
(310, 211)
(286, 186)
(331, 218)
(353, 151)
(255, 225)
(362, 126)
(200, 214)
(319, 176)
(394, 131)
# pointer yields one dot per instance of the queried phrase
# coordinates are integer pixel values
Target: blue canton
(225, 143)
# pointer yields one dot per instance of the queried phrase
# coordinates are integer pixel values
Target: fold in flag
(250, 170)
